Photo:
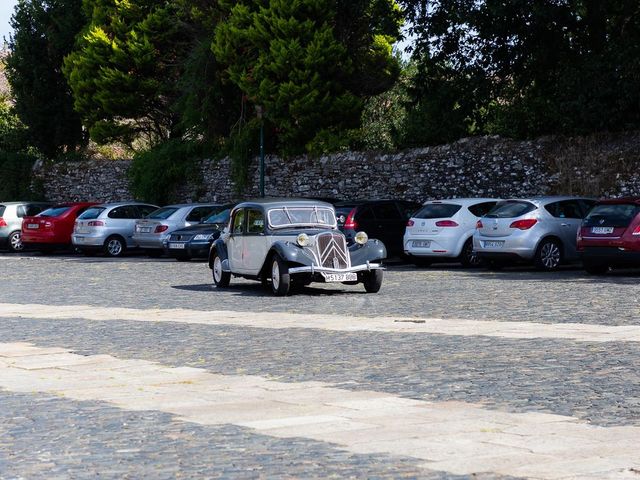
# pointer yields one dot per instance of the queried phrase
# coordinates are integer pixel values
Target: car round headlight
(361, 238)
(303, 240)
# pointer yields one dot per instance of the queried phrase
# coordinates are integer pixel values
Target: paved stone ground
(44, 436)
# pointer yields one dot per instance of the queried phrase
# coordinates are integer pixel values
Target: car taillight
(479, 224)
(446, 223)
(3, 223)
(524, 224)
(161, 228)
(96, 223)
(410, 223)
(636, 231)
(350, 222)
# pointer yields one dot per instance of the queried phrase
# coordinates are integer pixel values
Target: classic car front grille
(180, 238)
(332, 251)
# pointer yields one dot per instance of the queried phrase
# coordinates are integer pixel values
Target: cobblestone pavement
(593, 384)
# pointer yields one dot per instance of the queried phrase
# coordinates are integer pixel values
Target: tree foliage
(308, 63)
(44, 32)
(525, 68)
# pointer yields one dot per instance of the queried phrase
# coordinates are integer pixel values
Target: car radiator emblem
(332, 251)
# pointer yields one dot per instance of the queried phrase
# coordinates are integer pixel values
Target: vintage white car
(289, 243)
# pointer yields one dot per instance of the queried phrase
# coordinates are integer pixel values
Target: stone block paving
(515, 294)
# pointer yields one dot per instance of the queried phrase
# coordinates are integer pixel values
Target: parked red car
(52, 228)
(610, 235)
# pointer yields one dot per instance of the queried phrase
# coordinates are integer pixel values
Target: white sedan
(443, 230)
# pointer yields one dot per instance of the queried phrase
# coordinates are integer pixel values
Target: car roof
(121, 204)
(462, 201)
(186, 205)
(543, 200)
(27, 202)
(281, 202)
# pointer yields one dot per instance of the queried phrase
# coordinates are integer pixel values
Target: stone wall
(605, 165)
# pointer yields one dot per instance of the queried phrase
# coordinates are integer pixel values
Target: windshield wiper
(286, 212)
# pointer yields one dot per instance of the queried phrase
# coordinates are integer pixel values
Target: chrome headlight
(361, 238)
(303, 240)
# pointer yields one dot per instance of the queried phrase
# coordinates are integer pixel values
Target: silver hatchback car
(541, 230)
(11, 215)
(108, 227)
(152, 232)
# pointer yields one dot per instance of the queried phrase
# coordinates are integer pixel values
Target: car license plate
(144, 229)
(178, 246)
(602, 230)
(33, 225)
(421, 243)
(493, 243)
(340, 277)
(79, 239)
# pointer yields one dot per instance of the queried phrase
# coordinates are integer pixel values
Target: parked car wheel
(548, 255)
(221, 279)
(280, 278)
(114, 246)
(596, 268)
(468, 257)
(15, 242)
(372, 281)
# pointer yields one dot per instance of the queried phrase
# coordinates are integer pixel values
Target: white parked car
(443, 230)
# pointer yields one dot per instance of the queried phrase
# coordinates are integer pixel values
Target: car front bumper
(365, 267)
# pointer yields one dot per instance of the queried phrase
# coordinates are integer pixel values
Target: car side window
(255, 221)
(21, 211)
(237, 227)
(124, 212)
(197, 214)
(145, 210)
(481, 209)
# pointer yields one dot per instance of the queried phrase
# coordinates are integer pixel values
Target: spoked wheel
(114, 247)
(372, 281)
(280, 279)
(468, 257)
(15, 242)
(221, 279)
(549, 255)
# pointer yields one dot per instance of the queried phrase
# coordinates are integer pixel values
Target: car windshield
(283, 217)
(510, 209)
(55, 211)
(611, 215)
(218, 216)
(438, 210)
(91, 213)
(162, 213)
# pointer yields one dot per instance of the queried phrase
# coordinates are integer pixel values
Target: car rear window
(437, 210)
(55, 211)
(611, 215)
(481, 209)
(162, 213)
(511, 209)
(91, 213)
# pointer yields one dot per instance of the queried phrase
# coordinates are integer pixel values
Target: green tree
(309, 63)
(125, 69)
(44, 32)
(525, 68)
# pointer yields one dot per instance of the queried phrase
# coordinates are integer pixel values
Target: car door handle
(565, 224)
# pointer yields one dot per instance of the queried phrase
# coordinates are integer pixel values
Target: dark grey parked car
(195, 241)
(287, 242)
(11, 215)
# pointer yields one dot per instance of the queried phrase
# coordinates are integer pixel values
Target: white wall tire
(221, 279)
(280, 278)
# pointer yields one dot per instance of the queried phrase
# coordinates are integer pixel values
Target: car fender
(463, 239)
(290, 252)
(552, 236)
(221, 248)
(373, 250)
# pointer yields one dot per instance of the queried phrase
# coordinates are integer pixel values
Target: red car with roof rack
(610, 235)
(52, 228)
